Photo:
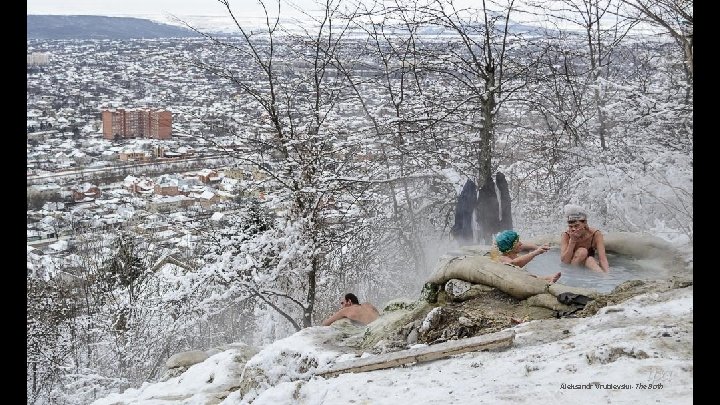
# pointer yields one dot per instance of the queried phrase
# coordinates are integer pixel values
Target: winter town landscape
(202, 192)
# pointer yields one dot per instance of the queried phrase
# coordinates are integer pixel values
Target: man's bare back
(362, 313)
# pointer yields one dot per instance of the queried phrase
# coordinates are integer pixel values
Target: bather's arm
(567, 248)
(529, 246)
(521, 261)
(342, 313)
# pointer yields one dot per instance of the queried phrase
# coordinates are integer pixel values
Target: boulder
(186, 359)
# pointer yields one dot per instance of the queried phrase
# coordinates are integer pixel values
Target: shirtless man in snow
(353, 310)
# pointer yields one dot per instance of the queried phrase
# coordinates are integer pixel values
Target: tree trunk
(312, 284)
(487, 211)
(486, 134)
(599, 104)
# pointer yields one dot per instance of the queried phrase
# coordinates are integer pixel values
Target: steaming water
(622, 268)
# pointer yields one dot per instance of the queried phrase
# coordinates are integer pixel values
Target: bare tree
(477, 65)
(446, 72)
(289, 74)
(392, 95)
(673, 16)
(603, 28)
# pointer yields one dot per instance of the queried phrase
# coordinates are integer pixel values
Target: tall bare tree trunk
(312, 285)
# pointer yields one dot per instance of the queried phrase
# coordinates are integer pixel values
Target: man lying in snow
(353, 310)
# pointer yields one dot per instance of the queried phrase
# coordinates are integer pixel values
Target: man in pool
(580, 244)
(353, 310)
(509, 245)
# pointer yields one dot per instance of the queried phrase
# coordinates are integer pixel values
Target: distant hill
(100, 27)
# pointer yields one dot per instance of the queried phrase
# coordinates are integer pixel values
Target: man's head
(350, 299)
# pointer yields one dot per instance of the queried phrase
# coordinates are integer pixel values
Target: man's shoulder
(370, 307)
(344, 310)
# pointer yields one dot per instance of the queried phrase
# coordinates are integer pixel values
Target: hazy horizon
(130, 8)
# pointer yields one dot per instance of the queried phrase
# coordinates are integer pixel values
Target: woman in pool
(509, 245)
(581, 244)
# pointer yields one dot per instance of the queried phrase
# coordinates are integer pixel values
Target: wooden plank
(489, 341)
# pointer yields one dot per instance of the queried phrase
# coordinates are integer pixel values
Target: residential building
(121, 123)
(169, 203)
(167, 187)
(38, 59)
(209, 176)
(133, 155)
(85, 192)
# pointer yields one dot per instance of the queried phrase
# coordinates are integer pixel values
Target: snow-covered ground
(636, 352)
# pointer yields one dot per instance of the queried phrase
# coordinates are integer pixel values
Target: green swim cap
(505, 240)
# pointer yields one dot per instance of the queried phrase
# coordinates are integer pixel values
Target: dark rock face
(492, 215)
(488, 211)
(506, 221)
(462, 229)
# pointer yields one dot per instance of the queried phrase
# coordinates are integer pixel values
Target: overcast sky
(242, 8)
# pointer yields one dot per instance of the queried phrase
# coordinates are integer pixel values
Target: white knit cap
(575, 212)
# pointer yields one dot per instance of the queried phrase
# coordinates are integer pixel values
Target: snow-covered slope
(639, 352)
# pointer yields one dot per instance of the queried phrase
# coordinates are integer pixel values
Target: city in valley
(129, 134)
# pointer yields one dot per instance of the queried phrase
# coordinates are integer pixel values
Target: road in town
(135, 169)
